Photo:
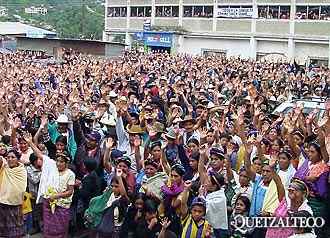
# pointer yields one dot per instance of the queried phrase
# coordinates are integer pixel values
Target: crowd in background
(158, 145)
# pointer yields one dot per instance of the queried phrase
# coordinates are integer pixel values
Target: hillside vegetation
(82, 19)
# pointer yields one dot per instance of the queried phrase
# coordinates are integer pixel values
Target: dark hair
(33, 158)
(245, 200)
(179, 169)
(217, 179)
(115, 179)
(150, 206)
(15, 152)
(61, 139)
(316, 146)
(6, 139)
(154, 144)
(90, 165)
(194, 141)
(279, 141)
(226, 136)
(138, 196)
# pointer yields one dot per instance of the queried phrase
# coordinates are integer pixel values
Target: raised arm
(247, 162)
(106, 162)
(201, 166)
(123, 191)
(278, 182)
(28, 138)
(184, 199)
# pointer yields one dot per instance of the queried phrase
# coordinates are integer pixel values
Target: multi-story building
(36, 10)
(293, 29)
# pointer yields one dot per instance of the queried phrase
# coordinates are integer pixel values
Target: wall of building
(196, 46)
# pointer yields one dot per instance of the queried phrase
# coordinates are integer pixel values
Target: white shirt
(124, 145)
(216, 205)
(49, 176)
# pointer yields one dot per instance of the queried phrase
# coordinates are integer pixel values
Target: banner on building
(234, 12)
(163, 39)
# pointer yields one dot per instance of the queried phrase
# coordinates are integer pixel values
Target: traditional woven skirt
(11, 221)
(55, 225)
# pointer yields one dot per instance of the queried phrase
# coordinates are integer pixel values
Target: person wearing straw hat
(63, 126)
(189, 125)
(130, 141)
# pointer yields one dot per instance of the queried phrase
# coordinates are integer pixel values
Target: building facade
(292, 29)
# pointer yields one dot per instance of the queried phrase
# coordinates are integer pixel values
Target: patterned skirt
(55, 225)
(11, 221)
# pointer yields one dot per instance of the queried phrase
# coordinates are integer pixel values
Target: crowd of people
(158, 145)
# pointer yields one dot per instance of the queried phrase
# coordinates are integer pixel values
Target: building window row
(198, 11)
(117, 12)
(313, 12)
(274, 12)
(264, 11)
(167, 11)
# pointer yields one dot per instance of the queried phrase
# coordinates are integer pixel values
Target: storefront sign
(235, 12)
(158, 39)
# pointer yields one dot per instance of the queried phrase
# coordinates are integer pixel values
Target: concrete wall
(269, 47)
(37, 45)
(303, 51)
(86, 47)
(195, 46)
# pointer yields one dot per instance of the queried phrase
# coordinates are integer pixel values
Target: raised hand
(202, 149)
(109, 143)
(203, 133)
(17, 123)
(27, 137)
(165, 223)
(119, 172)
(44, 121)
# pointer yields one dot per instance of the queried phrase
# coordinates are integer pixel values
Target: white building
(36, 10)
(3, 11)
(297, 29)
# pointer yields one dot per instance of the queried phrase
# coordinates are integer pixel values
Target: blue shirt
(258, 196)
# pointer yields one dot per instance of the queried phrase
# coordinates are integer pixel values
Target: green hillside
(70, 19)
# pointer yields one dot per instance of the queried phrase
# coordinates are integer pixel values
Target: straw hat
(134, 129)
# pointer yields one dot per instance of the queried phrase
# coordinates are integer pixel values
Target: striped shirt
(191, 229)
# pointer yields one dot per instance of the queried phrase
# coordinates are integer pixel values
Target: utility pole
(82, 18)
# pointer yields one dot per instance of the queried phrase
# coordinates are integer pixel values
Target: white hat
(63, 119)
(113, 94)
(108, 120)
(210, 105)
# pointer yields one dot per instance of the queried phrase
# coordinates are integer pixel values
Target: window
(198, 11)
(141, 11)
(313, 12)
(214, 53)
(117, 12)
(301, 12)
(274, 12)
(167, 11)
(325, 13)
(187, 11)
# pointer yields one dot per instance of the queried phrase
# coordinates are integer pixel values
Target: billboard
(234, 12)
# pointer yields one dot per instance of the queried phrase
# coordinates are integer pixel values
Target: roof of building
(72, 40)
(17, 28)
